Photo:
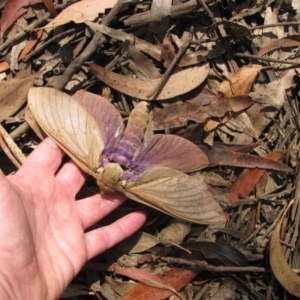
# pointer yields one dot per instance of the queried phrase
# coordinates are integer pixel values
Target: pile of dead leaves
(222, 74)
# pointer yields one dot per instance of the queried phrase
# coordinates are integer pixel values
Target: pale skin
(43, 243)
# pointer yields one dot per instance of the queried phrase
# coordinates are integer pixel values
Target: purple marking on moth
(124, 153)
(131, 175)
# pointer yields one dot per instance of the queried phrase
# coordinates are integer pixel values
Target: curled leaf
(241, 81)
(281, 269)
(178, 84)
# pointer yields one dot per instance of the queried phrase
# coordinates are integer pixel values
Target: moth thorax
(111, 176)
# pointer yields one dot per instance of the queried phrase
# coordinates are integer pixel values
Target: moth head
(109, 177)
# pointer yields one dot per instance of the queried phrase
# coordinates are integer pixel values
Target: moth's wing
(69, 125)
(105, 114)
(171, 151)
(176, 194)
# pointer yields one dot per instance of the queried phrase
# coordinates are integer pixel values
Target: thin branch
(158, 88)
(30, 28)
(268, 59)
(46, 44)
(274, 25)
(97, 41)
(203, 266)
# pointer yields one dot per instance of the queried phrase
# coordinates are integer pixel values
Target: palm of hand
(42, 240)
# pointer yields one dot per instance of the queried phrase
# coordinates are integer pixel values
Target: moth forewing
(69, 125)
(176, 194)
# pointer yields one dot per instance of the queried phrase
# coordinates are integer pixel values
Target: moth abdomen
(138, 120)
(131, 141)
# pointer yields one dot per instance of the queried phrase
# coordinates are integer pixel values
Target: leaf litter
(229, 85)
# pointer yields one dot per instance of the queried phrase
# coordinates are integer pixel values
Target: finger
(99, 240)
(47, 154)
(95, 208)
(72, 177)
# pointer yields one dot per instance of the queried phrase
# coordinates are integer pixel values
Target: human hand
(42, 240)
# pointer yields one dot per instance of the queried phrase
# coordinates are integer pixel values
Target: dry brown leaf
(138, 242)
(79, 12)
(30, 44)
(4, 65)
(160, 10)
(141, 276)
(222, 155)
(241, 81)
(50, 6)
(142, 45)
(178, 84)
(289, 41)
(176, 277)
(178, 114)
(168, 53)
(281, 269)
(13, 10)
(247, 180)
(13, 95)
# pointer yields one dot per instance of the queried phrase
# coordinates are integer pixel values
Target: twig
(275, 222)
(254, 233)
(10, 148)
(46, 44)
(200, 294)
(268, 59)
(176, 11)
(202, 265)
(19, 131)
(97, 41)
(23, 33)
(158, 88)
(30, 28)
(203, 2)
(273, 25)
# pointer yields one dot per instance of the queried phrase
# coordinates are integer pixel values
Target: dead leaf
(246, 181)
(250, 226)
(50, 6)
(176, 277)
(142, 45)
(13, 94)
(178, 114)
(79, 12)
(241, 81)
(286, 42)
(118, 286)
(222, 155)
(138, 242)
(167, 52)
(178, 84)
(30, 44)
(281, 269)
(4, 65)
(239, 31)
(13, 10)
(141, 276)
(212, 253)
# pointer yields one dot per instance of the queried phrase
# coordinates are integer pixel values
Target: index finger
(47, 154)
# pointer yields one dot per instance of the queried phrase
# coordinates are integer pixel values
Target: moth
(148, 170)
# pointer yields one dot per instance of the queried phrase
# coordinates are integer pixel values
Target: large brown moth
(148, 170)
